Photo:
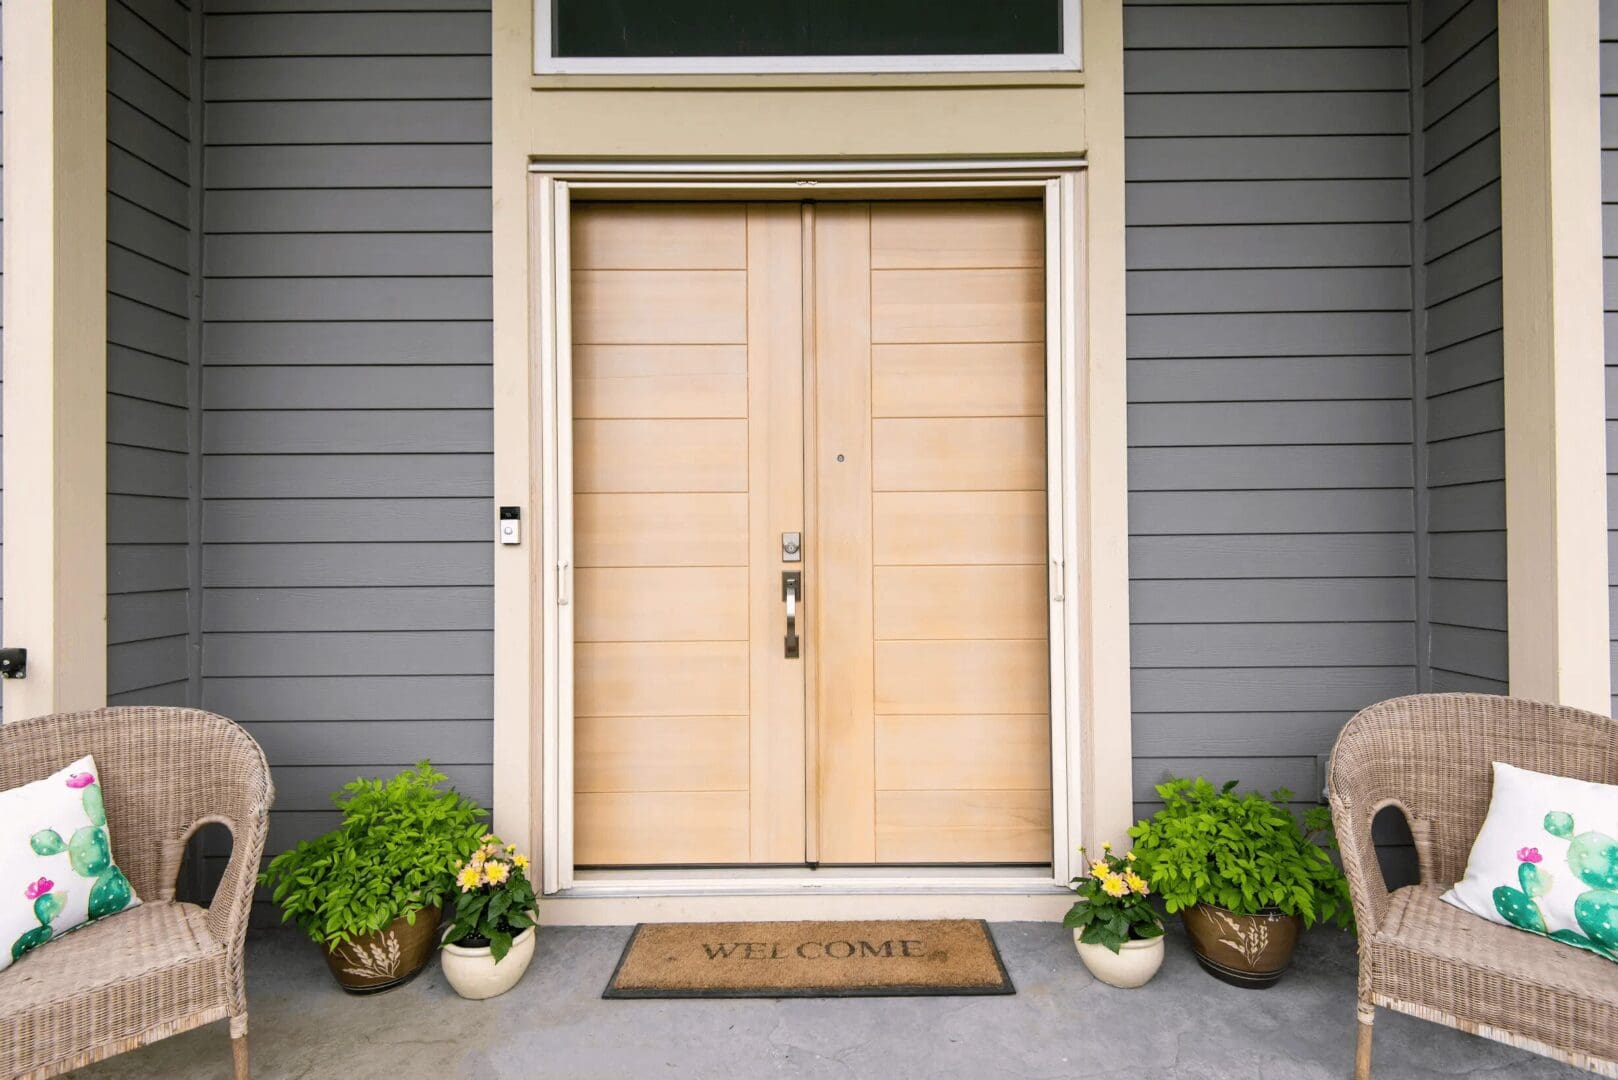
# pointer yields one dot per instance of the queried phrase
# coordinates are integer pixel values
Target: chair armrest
(1367, 888)
(245, 812)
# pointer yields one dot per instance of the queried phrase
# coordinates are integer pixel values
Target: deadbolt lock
(792, 547)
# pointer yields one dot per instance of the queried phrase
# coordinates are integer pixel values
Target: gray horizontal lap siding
(346, 416)
(149, 351)
(1609, 245)
(1459, 149)
(1273, 534)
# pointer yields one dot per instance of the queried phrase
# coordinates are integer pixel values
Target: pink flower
(39, 888)
(81, 779)
(1529, 854)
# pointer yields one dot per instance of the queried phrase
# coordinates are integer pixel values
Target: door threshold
(791, 880)
(614, 898)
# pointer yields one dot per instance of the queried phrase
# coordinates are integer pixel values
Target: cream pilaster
(55, 352)
(1556, 506)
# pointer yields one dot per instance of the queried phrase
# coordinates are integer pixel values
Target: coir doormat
(890, 958)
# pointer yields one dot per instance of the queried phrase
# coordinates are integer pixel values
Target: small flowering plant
(496, 898)
(1112, 907)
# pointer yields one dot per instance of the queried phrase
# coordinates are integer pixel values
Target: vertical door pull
(791, 592)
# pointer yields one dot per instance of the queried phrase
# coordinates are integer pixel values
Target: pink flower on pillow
(39, 888)
(81, 780)
(1529, 854)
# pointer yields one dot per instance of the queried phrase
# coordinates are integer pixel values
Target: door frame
(1060, 185)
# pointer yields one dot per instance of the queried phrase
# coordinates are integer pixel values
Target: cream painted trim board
(1063, 192)
(1102, 527)
(1069, 59)
(909, 119)
(517, 669)
(55, 319)
(1556, 484)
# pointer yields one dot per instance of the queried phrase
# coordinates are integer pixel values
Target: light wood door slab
(688, 725)
(934, 730)
(870, 375)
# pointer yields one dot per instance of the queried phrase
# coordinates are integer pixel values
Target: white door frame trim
(1061, 186)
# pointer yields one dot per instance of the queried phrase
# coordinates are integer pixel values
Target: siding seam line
(1418, 349)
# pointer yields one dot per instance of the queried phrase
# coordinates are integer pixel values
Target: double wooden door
(837, 408)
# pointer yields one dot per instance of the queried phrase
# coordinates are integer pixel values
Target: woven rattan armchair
(164, 967)
(1431, 756)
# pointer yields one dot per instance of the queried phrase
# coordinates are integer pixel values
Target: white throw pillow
(1546, 860)
(56, 868)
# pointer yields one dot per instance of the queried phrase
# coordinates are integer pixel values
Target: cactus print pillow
(1546, 860)
(56, 868)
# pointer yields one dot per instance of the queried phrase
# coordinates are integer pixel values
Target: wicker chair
(164, 967)
(1430, 755)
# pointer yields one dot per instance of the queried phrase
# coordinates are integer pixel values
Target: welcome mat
(890, 958)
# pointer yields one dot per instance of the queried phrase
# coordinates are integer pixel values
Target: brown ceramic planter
(1252, 951)
(388, 958)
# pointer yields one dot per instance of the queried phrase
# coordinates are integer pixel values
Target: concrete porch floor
(1061, 1023)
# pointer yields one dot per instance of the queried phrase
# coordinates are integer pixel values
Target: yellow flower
(510, 848)
(1100, 869)
(520, 862)
(1136, 882)
(1106, 845)
(1114, 886)
(477, 860)
(1130, 857)
(497, 872)
(469, 879)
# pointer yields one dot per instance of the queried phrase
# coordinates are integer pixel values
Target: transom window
(759, 36)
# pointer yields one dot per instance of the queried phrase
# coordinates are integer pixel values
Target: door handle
(791, 592)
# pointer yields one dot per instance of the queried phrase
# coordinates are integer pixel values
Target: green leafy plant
(496, 899)
(395, 853)
(1245, 853)
(1112, 906)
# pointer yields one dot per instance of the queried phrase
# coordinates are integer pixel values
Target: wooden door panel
(979, 379)
(660, 529)
(659, 236)
(963, 752)
(842, 582)
(660, 603)
(964, 826)
(948, 527)
(948, 760)
(687, 457)
(660, 753)
(660, 678)
(962, 453)
(659, 307)
(957, 305)
(648, 828)
(970, 676)
(969, 235)
(694, 381)
(955, 602)
(660, 455)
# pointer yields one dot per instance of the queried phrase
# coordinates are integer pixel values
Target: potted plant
(489, 944)
(1118, 935)
(1245, 877)
(370, 891)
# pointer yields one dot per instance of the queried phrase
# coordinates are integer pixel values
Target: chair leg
(238, 1054)
(1362, 1051)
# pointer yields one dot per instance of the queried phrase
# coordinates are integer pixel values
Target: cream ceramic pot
(1132, 965)
(474, 974)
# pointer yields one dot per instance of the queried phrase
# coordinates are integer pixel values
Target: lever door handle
(791, 592)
